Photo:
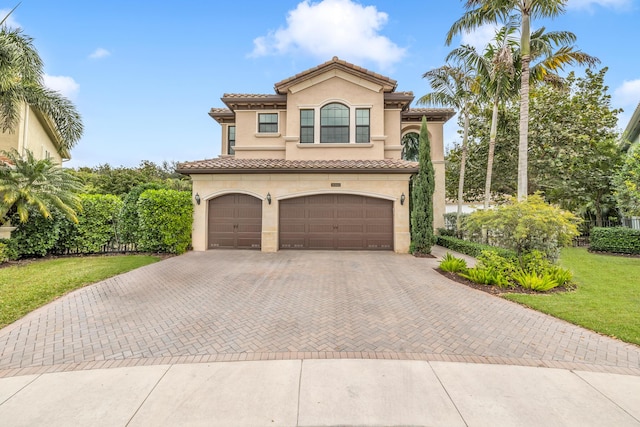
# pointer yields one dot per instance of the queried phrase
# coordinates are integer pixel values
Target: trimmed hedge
(37, 236)
(615, 239)
(472, 248)
(96, 225)
(165, 220)
(128, 226)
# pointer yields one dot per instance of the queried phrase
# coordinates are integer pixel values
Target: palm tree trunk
(523, 144)
(492, 145)
(463, 162)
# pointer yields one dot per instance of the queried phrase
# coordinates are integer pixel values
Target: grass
(23, 288)
(607, 299)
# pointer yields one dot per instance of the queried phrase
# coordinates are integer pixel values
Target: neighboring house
(314, 166)
(632, 132)
(35, 132)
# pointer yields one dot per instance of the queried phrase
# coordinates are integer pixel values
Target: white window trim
(267, 134)
(352, 119)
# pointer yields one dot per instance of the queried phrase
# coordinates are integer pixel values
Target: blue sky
(144, 74)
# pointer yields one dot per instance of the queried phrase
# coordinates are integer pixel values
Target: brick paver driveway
(246, 305)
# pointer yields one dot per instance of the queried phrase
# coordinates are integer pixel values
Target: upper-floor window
(334, 123)
(362, 125)
(268, 123)
(231, 140)
(307, 119)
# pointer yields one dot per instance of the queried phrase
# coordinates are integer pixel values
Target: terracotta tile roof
(430, 110)
(391, 84)
(233, 165)
(247, 95)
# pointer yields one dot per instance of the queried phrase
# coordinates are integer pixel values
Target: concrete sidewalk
(321, 393)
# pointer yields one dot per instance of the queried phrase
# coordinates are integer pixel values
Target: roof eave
(199, 171)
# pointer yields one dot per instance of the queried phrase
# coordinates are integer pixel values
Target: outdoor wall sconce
(269, 198)
(197, 197)
(402, 198)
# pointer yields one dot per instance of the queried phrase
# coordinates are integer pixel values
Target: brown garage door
(336, 221)
(235, 221)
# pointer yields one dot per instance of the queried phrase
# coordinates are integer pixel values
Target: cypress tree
(422, 236)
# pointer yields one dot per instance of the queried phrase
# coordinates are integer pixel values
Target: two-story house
(316, 165)
(36, 132)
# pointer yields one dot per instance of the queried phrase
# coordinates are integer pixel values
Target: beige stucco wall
(36, 138)
(283, 186)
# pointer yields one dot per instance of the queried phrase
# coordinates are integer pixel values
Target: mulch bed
(494, 290)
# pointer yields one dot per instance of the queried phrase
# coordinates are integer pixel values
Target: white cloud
(63, 84)
(480, 37)
(589, 4)
(628, 94)
(10, 22)
(333, 28)
(99, 53)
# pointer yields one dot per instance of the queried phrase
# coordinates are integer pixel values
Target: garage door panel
(336, 221)
(235, 221)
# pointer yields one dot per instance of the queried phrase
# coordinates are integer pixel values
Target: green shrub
(445, 232)
(37, 236)
(485, 276)
(165, 220)
(128, 218)
(96, 225)
(502, 267)
(561, 275)
(8, 251)
(534, 281)
(471, 248)
(525, 226)
(452, 264)
(615, 239)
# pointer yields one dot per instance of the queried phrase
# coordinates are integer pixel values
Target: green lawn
(607, 299)
(24, 288)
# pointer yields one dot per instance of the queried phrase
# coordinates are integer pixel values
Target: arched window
(334, 123)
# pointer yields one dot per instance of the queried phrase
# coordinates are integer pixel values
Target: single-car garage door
(235, 222)
(336, 221)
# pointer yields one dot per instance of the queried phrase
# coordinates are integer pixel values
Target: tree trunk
(463, 161)
(492, 145)
(523, 144)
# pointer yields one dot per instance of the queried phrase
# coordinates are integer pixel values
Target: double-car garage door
(324, 221)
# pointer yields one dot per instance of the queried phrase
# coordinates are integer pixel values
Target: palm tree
(21, 81)
(480, 12)
(41, 184)
(453, 86)
(497, 67)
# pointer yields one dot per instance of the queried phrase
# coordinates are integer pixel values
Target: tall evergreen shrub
(422, 236)
(128, 227)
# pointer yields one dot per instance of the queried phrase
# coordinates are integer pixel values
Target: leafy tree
(452, 86)
(480, 12)
(627, 183)
(37, 183)
(21, 82)
(410, 146)
(573, 146)
(422, 236)
(105, 179)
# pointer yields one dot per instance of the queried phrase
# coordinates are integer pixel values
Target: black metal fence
(583, 239)
(110, 248)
